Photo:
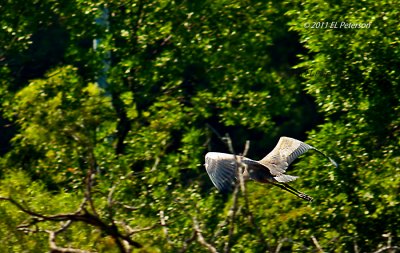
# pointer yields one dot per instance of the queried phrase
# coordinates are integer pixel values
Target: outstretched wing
(284, 153)
(222, 170)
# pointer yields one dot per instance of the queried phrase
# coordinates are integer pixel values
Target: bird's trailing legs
(290, 189)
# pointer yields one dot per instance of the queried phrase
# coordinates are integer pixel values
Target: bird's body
(223, 168)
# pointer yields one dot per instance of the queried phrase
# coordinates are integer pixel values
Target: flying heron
(223, 168)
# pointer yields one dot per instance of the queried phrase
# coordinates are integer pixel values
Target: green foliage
(166, 77)
(353, 77)
(37, 197)
(60, 119)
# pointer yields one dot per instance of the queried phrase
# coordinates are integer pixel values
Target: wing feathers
(222, 170)
(285, 178)
(284, 153)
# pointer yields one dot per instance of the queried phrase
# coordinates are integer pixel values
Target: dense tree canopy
(108, 108)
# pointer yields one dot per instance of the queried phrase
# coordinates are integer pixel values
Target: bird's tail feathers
(285, 178)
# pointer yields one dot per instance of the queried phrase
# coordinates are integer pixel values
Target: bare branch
(188, 241)
(246, 148)
(228, 141)
(90, 179)
(82, 216)
(132, 231)
(215, 132)
(231, 219)
(241, 168)
(22, 208)
(232, 213)
(356, 248)
(110, 201)
(280, 244)
(52, 241)
(155, 165)
(315, 241)
(233, 210)
(127, 207)
(387, 248)
(164, 225)
(200, 237)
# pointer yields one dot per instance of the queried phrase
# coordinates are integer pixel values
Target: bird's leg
(299, 194)
(292, 190)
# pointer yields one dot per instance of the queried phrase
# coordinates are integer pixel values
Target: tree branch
(387, 248)
(52, 241)
(317, 245)
(164, 225)
(280, 244)
(231, 219)
(232, 213)
(188, 241)
(82, 216)
(200, 237)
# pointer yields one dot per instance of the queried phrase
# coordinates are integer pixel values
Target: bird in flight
(223, 168)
